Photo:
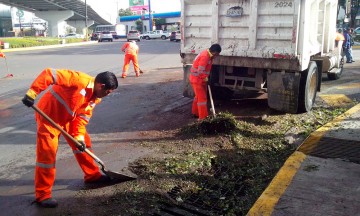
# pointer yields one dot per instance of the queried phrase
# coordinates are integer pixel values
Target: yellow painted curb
(310, 143)
(265, 204)
(269, 198)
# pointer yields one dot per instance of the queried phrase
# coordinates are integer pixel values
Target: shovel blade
(118, 176)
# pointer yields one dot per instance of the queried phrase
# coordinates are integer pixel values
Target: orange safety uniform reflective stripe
(199, 73)
(201, 67)
(69, 103)
(131, 50)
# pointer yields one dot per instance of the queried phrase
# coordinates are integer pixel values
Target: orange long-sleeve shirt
(130, 48)
(69, 99)
(201, 67)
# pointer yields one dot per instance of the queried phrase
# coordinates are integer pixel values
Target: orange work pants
(199, 105)
(127, 59)
(46, 148)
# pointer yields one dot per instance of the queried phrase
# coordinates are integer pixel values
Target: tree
(125, 12)
(159, 22)
(139, 25)
(355, 5)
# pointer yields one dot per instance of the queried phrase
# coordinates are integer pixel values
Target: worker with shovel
(69, 102)
(199, 74)
(131, 50)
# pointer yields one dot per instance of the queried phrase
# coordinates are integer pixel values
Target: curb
(48, 47)
(267, 201)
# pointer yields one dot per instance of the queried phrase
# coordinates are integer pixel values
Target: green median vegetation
(20, 42)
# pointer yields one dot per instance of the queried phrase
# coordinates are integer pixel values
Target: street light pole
(150, 19)
(86, 24)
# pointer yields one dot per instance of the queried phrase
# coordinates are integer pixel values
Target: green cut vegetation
(218, 166)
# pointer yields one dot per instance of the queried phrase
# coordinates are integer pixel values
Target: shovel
(212, 102)
(112, 175)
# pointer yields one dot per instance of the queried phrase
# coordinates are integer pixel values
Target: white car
(74, 35)
(178, 37)
(105, 35)
(133, 35)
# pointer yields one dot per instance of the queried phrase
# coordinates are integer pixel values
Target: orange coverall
(131, 51)
(69, 103)
(199, 74)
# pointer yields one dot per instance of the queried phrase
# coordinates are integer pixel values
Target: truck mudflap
(187, 91)
(283, 91)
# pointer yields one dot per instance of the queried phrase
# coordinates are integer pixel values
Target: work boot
(123, 76)
(48, 203)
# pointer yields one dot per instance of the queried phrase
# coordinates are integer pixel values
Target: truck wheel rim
(312, 88)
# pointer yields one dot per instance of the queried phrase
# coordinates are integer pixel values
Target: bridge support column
(80, 24)
(54, 18)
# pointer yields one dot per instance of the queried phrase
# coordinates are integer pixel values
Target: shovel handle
(212, 102)
(67, 134)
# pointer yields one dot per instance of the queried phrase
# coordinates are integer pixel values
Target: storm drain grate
(329, 147)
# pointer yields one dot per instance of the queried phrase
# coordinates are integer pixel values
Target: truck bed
(260, 31)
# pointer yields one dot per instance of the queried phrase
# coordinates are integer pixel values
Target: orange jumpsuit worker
(199, 74)
(69, 101)
(131, 51)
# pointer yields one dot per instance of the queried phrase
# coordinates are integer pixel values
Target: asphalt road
(116, 119)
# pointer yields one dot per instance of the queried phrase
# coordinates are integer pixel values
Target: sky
(107, 8)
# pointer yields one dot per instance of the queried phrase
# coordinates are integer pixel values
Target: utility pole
(86, 24)
(150, 18)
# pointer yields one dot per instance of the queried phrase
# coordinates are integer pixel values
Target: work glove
(82, 145)
(29, 98)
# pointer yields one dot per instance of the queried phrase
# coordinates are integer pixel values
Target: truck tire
(337, 75)
(163, 37)
(308, 88)
(147, 38)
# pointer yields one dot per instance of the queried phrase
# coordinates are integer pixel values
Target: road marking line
(265, 204)
(350, 86)
(335, 99)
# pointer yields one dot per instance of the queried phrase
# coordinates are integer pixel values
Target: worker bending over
(131, 50)
(69, 101)
(199, 74)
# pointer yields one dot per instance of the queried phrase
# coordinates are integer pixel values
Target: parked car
(105, 35)
(133, 35)
(357, 31)
(178, 37)
(155, 35)
(173, 35)
(95, 36)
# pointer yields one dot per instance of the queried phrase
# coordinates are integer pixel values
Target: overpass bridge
(56, 11)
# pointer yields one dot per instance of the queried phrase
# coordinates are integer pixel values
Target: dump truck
(274, 47)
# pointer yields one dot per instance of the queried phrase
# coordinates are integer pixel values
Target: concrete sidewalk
(322, 177)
